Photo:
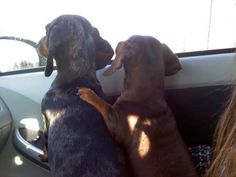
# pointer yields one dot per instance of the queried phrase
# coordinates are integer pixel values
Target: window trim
(181, 55)
(206, 52)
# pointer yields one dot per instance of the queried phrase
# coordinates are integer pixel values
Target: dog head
(75, 45)
(144, 47)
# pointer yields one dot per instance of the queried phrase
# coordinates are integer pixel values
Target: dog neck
(144, 89)
(69, 72)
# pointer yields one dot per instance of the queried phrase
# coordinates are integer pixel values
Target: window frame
(32, 44)
(180, 55)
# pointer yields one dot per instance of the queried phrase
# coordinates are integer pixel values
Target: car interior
(197, 94)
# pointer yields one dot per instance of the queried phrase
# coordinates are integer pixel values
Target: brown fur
(140, 119)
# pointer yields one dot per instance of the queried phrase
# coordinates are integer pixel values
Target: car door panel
(22, 93)
(197, 111)
(5, 123)
(197, 95)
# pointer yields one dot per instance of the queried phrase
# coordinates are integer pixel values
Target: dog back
(79, 142)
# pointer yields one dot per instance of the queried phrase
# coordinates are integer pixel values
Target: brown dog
(140, 119)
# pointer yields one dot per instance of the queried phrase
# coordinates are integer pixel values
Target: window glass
(15, 55)
(184, 25)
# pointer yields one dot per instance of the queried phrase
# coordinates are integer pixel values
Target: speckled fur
(79, 143)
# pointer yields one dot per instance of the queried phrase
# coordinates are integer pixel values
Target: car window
(18, 54)
(184, 25)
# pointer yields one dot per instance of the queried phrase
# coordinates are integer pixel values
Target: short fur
(140, 119)
(78, 141)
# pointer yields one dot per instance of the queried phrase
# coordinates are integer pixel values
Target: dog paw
(87, 95)
(43, 158)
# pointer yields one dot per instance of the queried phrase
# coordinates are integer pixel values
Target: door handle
(27, 144)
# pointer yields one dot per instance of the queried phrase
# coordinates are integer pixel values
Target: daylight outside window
(184, 25)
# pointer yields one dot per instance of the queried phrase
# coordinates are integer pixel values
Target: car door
(197, 96)
(22, 85)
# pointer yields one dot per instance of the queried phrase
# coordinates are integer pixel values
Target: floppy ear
(118, 62)
(103, 55)
(42, 48)
(50, 42)
(171, 61)
(43, 51)
(104, 51)
(49, 66)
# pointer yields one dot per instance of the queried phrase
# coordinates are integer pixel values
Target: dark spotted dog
(78, 142)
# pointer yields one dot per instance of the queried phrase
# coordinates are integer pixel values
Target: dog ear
(171, 61)
(43, 51)
(104, 51)
(49, 66)
(103, 57)
(42, 48)
(118, 62)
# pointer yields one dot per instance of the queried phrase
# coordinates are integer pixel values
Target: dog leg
(109, 115)
(44, 157)
(89, 96)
